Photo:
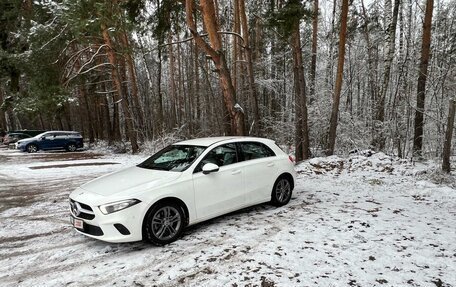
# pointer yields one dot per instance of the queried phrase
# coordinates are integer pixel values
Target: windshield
(173, 158)
(40, 135)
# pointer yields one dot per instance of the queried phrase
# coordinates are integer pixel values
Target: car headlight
(117, 206)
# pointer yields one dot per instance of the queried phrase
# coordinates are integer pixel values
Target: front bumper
(121, 226)
(20, 147)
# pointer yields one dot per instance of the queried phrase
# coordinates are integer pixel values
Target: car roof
(70, 132)
(212, 140)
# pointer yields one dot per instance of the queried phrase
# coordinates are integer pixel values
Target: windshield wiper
(153, 167)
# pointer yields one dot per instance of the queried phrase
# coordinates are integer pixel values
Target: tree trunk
(370, 61)
(313, 61)
(235, 56)
(329, 77)
(180, 86)
(85, 99)
(133, 82)
(302, 131)
(118, 84)
(338, 87)
(99, 125)
(251, 76)
(390, 41)
(422, 76)
(152, 106)
(109, 123)
(3, 121)
(448, 136)
(215, 51)
(172, 85)
(199, 110)
(86, 118)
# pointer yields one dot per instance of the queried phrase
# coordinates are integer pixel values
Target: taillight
(291, 158)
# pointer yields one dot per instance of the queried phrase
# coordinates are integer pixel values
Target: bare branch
(93, 57)
(234, 34)
(53, 38)
(94, 67)
(85, 72)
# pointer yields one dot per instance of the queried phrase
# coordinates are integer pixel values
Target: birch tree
(390, 44)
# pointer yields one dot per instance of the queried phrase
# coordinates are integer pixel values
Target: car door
(60, 140)
(47, 141)
(260, 170)
(221, 191)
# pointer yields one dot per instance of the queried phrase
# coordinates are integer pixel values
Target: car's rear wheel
(31, 148)
(164, 223)
(71, 147)
(281, 192)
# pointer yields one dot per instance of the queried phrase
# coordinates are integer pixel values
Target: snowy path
(353, 229)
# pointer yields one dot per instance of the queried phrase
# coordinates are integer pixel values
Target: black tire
(282, 191)
(32, 148)
(164, 223)
(71, 147)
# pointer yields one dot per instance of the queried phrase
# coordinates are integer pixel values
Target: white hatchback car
(183, 184)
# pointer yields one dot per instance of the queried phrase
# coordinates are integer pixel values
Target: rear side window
(255, 150)
(60, 135)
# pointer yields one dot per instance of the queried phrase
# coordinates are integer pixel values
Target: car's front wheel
(281, 192)
(164, 223)
(71, 147)
(31, 148)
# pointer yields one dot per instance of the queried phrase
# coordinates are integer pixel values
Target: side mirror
(43, 138)
(210, 167)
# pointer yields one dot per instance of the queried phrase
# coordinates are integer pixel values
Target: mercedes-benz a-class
(183, 184)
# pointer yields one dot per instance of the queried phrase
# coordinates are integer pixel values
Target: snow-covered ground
(356, 221)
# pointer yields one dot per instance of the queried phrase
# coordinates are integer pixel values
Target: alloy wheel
(32, 148)
(283, 190)
(166, 223)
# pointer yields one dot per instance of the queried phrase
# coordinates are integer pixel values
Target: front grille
(81, 210)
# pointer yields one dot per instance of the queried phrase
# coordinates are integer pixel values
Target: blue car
(52, 140)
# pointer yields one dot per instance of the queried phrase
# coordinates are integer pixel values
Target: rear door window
(255, 150)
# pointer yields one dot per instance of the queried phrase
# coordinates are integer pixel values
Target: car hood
(26, 140)
(130, 180)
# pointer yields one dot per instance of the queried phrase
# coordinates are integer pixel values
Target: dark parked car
(52, 140)
(11, 138)
(2, 134)
(31, 133)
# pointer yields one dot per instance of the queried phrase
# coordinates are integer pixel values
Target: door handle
(270, 164)
(234, 172)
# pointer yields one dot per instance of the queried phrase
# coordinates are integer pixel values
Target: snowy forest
(320, 77)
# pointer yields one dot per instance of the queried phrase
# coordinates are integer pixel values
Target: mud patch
(71, 165)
